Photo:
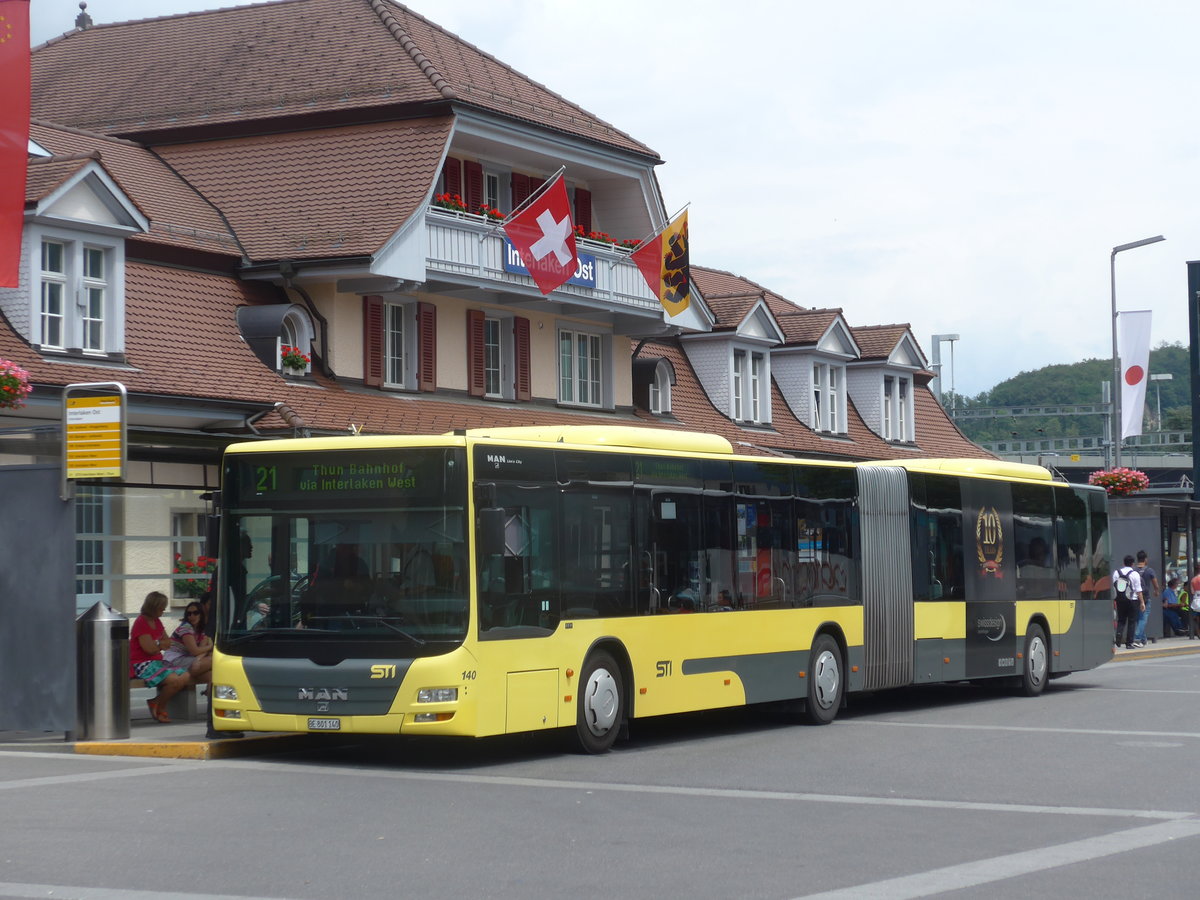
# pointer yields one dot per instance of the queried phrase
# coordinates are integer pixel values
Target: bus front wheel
(825, 682)
(601, 705)
(1036, 665)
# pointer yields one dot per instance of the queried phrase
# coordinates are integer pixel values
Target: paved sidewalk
(1165, 646)
(147, 737)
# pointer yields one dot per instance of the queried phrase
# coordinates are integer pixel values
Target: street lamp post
(1116, 398)
(1158, 379)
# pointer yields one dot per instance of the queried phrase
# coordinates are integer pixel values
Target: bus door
(670, 566)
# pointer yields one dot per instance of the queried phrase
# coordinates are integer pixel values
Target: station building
(205, 190)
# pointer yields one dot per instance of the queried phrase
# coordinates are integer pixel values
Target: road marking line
(1015, 865)
(746, 794)
(82, 777)
(1114, 732)
(72, 892)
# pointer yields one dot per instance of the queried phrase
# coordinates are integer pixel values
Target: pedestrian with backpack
(1130, 602)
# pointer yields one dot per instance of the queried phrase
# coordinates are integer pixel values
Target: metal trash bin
(101, 675)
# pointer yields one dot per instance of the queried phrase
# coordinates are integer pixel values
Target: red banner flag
(663, 262)
(544, 236)
(14, 134)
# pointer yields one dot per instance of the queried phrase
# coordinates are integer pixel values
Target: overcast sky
(962, 166)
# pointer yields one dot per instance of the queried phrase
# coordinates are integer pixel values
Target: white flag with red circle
(1133, 343)
(544, 235)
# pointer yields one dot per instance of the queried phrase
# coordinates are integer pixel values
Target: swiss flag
(544, 235)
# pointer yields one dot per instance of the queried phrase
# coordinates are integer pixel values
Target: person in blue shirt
(1170, 608)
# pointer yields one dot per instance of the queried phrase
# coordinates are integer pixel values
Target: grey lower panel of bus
(886, 576)
(299, 687)
(767, 677)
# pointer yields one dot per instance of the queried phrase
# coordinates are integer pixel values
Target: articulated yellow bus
(516, 579)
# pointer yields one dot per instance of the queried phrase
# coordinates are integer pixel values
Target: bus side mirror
(491, 531)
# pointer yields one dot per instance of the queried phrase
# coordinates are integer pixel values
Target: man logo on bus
(989, 542)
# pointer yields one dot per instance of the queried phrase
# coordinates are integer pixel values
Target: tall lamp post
(1158, 379)
(1116, 398)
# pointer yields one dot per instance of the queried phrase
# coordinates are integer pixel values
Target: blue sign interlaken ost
(585, 272)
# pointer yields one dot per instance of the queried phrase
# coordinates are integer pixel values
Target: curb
(1156, 653)
(204, 750)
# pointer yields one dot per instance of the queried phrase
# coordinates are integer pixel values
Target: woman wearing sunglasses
(191, 648)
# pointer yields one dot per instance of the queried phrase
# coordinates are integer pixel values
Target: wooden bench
(182, 706)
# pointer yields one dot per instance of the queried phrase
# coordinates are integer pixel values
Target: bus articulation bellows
(577, 577)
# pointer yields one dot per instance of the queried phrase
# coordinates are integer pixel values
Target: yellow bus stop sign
(94, 442)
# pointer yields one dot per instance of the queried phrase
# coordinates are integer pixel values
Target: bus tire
(601, 704)
(825, 682)
(1035, 667)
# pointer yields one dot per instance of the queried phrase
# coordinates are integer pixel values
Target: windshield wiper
(257, 633)
(382, 620)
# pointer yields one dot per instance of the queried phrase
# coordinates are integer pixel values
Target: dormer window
(750, 382)
(897, 408)
(77, 293)
(652, 380)
(829, 398)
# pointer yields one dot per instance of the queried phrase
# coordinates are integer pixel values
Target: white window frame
(750, 386)
(499, 355)
(83, 327)
(829, 398)
(897, 408)
(591, 388)
(660, 391)
(187, 540)
(296, 330)
(400, 351)
(500, 192)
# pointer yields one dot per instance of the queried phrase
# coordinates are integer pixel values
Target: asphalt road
(955, 791)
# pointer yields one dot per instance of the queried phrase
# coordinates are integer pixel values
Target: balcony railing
(470, 245)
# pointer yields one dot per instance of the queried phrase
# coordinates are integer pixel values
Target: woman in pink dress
(147, 640)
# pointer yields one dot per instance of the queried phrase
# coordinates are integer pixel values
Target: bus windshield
(354, 548)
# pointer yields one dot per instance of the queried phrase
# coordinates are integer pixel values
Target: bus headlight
(437, 695)
(224, 692)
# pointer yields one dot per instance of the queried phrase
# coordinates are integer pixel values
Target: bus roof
(610, 436)
(993, 468)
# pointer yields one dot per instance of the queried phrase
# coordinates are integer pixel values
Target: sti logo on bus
(383, 671)
(323, 694)
(989, 542)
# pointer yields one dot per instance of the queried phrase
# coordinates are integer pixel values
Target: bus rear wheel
(1035, 667)
(825, 682)
(601, 704)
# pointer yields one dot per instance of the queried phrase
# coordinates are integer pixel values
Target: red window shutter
(373, 341)
(475, 374)
(473, 176)
(583, 209)
(427, 335)
(520, 189)
(452, 175)
(521, 353)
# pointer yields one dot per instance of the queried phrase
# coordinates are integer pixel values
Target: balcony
(468, 251)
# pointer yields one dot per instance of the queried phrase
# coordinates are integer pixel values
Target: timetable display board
(94, 433)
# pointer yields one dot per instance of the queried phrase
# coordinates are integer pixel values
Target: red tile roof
(693, 411)
(178, 215)
(279, 60)
(878, 341)
(333, 192)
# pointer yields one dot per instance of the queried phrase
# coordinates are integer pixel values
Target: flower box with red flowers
(192, 586)
(14, 385)
(293, 360)
(1120, 482)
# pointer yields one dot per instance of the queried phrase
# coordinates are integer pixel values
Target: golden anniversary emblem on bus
(989, 542)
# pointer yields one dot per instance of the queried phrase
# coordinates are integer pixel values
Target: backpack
(1123, 585)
